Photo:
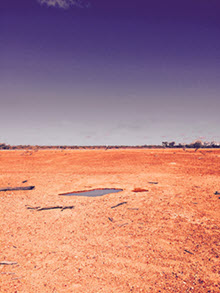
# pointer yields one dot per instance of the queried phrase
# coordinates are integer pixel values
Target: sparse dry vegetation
(196, 144)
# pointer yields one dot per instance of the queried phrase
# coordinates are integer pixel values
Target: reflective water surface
(93, 193)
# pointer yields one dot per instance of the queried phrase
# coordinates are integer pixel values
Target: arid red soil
(166, 239)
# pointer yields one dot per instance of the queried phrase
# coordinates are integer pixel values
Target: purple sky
(109, 72)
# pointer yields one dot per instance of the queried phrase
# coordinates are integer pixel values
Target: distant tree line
(165, 144)
(196, 144)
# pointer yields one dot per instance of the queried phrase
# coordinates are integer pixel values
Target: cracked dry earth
(166, 239)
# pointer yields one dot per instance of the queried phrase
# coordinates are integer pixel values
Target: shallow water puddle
(93, 193)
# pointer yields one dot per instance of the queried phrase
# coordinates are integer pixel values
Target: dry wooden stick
(50, 208)
(8, 263)
(17, 188)
(122, 225)
(17, 278)
(117, 205)
(134, 209)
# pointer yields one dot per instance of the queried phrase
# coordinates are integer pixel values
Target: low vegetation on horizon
(196, 144)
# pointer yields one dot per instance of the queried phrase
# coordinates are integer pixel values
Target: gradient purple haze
(116, 72)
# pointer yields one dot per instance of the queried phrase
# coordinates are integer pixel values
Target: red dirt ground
(164, 240)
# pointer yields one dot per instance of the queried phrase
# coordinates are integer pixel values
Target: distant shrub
(197, 144)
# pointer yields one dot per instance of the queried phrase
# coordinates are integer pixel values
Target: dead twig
(50, 208)
(17, 278)
(121, 225)
(32, 208)
(117, 205)
(188, 251)
(6, 263)
(134, 209)
(17, 188)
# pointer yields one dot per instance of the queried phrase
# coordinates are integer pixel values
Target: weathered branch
(50, 208)
(8, 263)
(117, 205)
(17, 188)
